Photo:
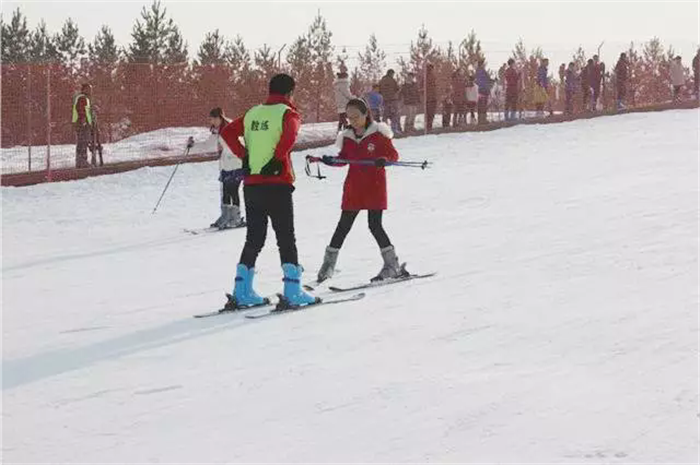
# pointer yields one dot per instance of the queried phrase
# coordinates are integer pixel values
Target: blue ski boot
(243, 292)
(294, 296)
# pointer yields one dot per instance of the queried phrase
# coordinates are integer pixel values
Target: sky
(558, 27)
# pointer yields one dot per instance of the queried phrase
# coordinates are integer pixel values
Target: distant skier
(472, 93)
(341, 89)
(230, 176)
(269, 131)
(376, 102)
(365, 187)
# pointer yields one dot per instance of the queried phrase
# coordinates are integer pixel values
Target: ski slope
(562, 326)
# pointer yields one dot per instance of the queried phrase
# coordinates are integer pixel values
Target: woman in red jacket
(365, 186)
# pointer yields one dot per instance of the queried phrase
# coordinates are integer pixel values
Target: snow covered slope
(562, 326)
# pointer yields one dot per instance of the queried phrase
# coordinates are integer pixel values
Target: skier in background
(341, 88)
(389, 89)
(512, 79)
(542, 87)
(376, 102)
(230, 176)
(484, 82)
(82, 123)
(621, 76)
(411, 99)
(677, 78)
(596, 78)
(472, 92)
(269, 131)
(365, 187)
(570, 88)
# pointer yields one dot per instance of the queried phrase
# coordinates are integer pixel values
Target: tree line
(154, 81)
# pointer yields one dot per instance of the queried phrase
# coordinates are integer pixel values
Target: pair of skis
(269, 308)
(277, 308)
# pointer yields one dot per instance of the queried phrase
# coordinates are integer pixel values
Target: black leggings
(230, 193)
(347, 218)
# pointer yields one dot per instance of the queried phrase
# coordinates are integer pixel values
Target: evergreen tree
(70, 46)
(211, 50)
(42, 45)
(421, 52)
(16, 40)
(237, 55)
(266, 61)
(155, 38)
(341, 60)
(470, 52)
(372, 61)
(103, 49)
(319, 39)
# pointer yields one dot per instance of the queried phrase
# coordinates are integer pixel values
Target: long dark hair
(362, 106)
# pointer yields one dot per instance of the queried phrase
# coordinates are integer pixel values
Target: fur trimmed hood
(381, 128)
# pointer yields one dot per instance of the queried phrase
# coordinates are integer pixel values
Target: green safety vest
(263, 130)
(88, 110)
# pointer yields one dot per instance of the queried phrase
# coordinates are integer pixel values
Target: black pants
(347, 218)
(230, 193)
(481, 107)
(272, 201)
(84, 136)
(430, 108)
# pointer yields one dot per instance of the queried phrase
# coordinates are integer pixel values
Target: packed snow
(562, 326)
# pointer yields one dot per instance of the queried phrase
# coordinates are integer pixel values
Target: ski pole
(190, 143)
(406, 164)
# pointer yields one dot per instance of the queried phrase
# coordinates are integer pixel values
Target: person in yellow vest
(269, 132)
(82, 122)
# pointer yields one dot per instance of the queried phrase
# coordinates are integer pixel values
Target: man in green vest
(269, 131)
(82, 121)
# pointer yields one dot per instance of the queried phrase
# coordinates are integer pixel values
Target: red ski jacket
(365, 185)
(292, 122)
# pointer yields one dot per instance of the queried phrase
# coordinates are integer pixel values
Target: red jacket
(290, 127)
(512, 78)
(365, 186)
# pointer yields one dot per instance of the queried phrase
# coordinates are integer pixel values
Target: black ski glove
(380, 162)
(328, 160)
(273, 167)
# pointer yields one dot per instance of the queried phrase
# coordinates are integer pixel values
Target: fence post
(425, 96)
(29, 116)
(48, 122)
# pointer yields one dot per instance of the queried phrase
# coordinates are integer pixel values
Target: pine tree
(103, 49)
(372, 61)
(42, 45)
(319, 39)
(176, 51)
(211, 50)
(265, 61)
(470, 52)
(155, 38)
(520, 53)
(579, 58)
(341, 60)
(70, 46)
(421, 52)
(16, 40)
(237, 55)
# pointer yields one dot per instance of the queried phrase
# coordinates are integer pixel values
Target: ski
(280, 310)
(227, 310)
(210, 229)
(384, 282)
